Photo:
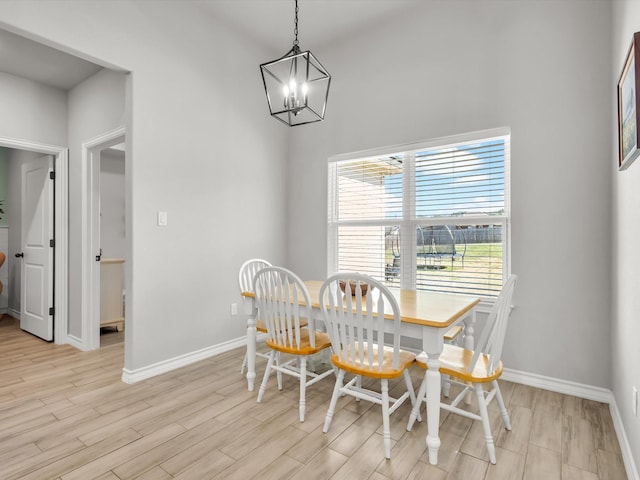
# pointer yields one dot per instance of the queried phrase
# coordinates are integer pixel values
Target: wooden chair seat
(373, 370)
(305, 347)
(456, 361)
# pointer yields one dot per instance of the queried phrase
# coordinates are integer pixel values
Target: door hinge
(51, 311)
(52, 175)
(52, 242)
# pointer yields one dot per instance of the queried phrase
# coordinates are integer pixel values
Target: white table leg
(469, 323)
(469, 342)
(433, 378)
(251, 352)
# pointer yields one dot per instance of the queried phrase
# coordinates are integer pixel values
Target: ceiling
(36, 61)
(267, 22)
(320, 22)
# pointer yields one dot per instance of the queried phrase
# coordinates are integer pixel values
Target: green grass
(479, 274)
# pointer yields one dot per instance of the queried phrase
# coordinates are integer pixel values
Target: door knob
(18, 255)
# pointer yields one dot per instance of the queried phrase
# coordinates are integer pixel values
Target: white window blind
(460, 180)
(368, 197)
(434, 216)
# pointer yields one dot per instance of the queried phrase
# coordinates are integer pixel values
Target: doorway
(26, 237)
(59, 277)
(113, 246)
(103, 89)
(92, 243)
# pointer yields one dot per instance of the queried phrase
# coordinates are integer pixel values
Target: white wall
(626, 229)
(96, 106)
(442, 68)
(31, 112)
(38, 112)
(112, 204)
(49, 115)
(202, 148)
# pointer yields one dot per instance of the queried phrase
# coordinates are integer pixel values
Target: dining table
(424, 315)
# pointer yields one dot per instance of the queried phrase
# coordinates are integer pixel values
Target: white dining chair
(471, 370)
(245, 282)
(356, 324)
(285, 307)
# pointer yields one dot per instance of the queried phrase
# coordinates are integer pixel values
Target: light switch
(162, 219)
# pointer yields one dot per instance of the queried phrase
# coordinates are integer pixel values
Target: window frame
(409, 222)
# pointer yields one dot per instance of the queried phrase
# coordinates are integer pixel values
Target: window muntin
(453, 195)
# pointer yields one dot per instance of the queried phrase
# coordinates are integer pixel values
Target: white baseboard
(627, 455)
(9, 312)
(75, 342)
(582, 391)
(139, 374)
(557, 385)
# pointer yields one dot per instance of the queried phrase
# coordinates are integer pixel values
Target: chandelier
(296, 85)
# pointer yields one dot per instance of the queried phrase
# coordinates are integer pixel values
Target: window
(430, 216)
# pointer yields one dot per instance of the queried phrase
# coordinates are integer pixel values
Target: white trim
(14, 313)
(625, 448)
(90, 304)
(139, 374)
(582, 391)
(408, 220)
(62, 247)
(61, 280)
(60, 46)
(425, 144)
(558, 385)
(76, 342)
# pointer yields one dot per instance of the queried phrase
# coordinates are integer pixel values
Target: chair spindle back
(283, 300)
(248, 270)
(356, 322)
(492, 339)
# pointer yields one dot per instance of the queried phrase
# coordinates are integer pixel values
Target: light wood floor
(65, 414)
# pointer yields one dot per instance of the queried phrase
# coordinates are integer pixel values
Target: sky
(472, 184)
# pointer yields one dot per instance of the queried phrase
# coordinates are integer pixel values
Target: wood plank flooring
(66, 415)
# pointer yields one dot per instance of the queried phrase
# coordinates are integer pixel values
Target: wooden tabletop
(418, 307)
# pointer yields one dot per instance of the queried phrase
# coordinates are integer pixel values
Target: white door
(37, 253)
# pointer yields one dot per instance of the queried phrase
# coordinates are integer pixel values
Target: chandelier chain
(295, 30)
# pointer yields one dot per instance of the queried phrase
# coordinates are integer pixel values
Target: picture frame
(629, 107)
